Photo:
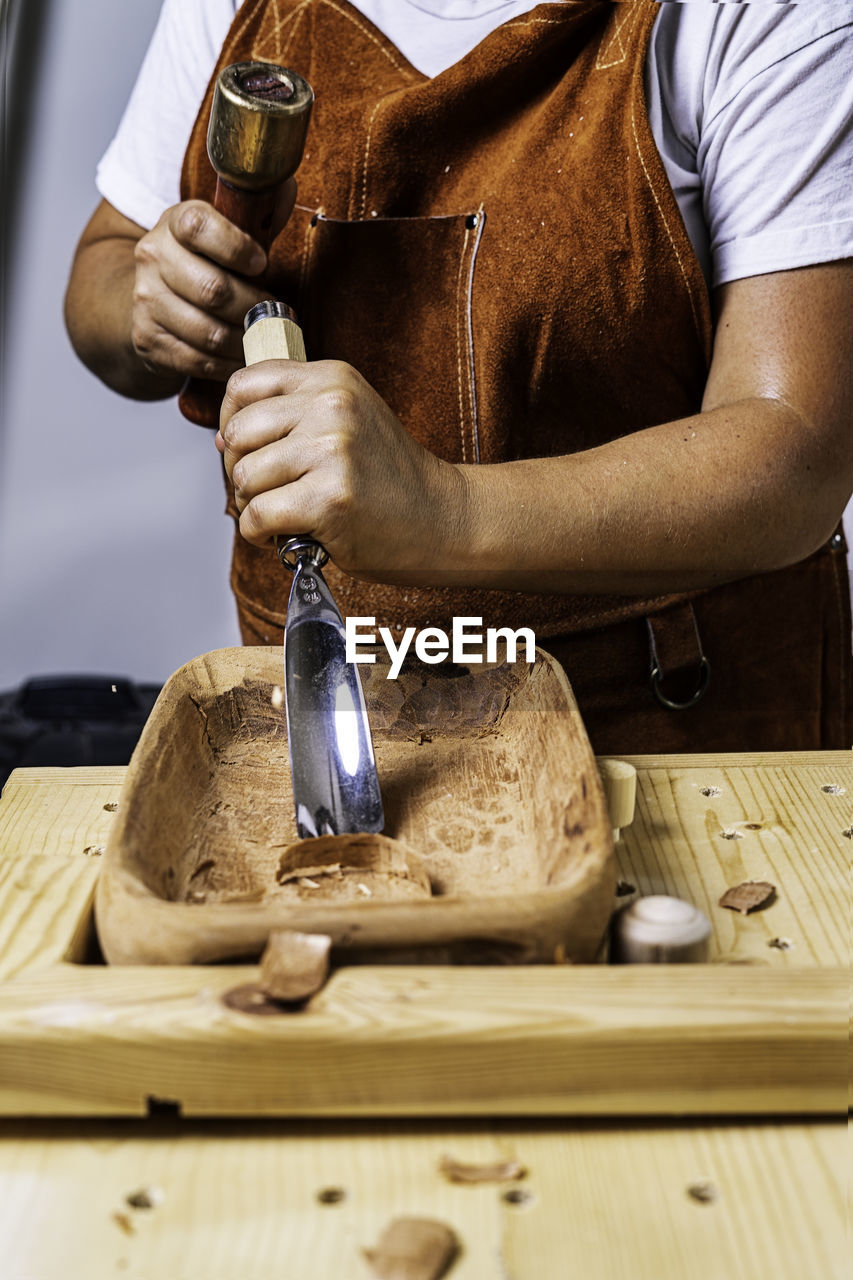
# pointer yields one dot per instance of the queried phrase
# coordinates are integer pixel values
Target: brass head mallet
(255, 139)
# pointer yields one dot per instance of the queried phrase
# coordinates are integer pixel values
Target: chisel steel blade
(335, 787)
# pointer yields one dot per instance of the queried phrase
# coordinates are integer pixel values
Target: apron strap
(679, 671)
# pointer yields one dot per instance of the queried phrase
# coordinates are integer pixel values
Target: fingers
(283, 477)
(201, 229)
(282, 511)
(190, 294)
(262, 448)
(311, 448)
(277, 464)
(168, 332)
(257, 386)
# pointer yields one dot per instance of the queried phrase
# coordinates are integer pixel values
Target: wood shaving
(277, 697)
(307, 873)
(494, 1171)
(372, 867)
(124, 1222)
(294, 965)
(413, 1249)
(704, 1192)
(752, 895)
(145, 1198)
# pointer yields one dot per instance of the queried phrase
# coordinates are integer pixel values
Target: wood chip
(145, 1198)
(752, 895)
(413, 1249)
(294, 965)
(494, 1171)
(351, 868)
(704, 1192)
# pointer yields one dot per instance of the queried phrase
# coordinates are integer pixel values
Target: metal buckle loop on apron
(674, 647)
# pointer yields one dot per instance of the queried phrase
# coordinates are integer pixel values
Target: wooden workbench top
(602, 1198)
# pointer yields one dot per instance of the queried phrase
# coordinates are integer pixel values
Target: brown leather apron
(499, 252)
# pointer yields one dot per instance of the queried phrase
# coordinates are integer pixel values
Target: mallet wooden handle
(252, 212)
(258, 122)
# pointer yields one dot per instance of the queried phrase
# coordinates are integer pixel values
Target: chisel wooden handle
(271, 333)
(258, 122)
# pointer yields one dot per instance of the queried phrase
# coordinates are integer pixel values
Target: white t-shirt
(750, 105)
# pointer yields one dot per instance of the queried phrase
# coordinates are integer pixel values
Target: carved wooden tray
(497, 844)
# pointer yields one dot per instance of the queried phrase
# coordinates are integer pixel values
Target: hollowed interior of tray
(462, 765)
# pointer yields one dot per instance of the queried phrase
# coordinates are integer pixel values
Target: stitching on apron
(530, 22)
(367, 158)
(307, 246)
(696, 319)
(401, 66)
(469, 318)
(278, 24)
(301, 12)
(459, 343)
(246, 14)
(616, 38)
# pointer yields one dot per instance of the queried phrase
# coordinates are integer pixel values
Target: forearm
(738, 490)
(98, 316)
(756, 481)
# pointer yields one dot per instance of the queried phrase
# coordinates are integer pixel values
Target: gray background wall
(113, 546)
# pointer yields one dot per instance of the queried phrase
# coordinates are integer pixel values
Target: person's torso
(497, 249)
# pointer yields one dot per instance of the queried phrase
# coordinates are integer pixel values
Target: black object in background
(72, 720)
